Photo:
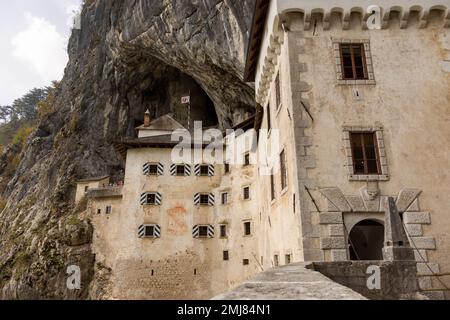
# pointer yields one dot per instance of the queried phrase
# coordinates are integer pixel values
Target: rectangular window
(365, 153)
(276, 260)
(278, 91)
(272, 187)
(227, 168)
(153, 170)
(353, 61)
(247, 159)
(247, 193)
(151, 199)
(269, 117)
(224, 198)
(245, 262)
(99, 211)
(203, 231)
(108, 210)
(223, 231)
(283, 168)
(288, 259)
(204, 170)
(226, 256)
(149, 231)
(181, 170)
(204, 199)
(86, 189)
(247, 228)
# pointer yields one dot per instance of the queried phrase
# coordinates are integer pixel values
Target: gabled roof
(164, 123)
(255, 40)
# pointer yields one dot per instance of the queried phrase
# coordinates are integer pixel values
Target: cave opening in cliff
(160, 91)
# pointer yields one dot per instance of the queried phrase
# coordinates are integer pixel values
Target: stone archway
(366, 241)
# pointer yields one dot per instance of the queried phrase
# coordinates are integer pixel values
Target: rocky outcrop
(127, 57)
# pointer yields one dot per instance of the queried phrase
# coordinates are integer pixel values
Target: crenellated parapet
(403, 9)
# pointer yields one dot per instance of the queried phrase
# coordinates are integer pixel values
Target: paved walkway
(292, 282)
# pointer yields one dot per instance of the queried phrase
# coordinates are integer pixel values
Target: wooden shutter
(160, 169)
(210, 231)
(157, 231)
(211, 170)
(141, 231)
(144, 199)
(197, 170)
(212, 199)
(158, 197)
(197, 199)
(187, 170)
(173, 170)
(146, 169)
(196, 231)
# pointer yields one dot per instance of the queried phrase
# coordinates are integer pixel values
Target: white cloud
(41, 48)
(72, 12)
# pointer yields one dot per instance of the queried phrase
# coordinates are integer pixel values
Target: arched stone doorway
(366, 241)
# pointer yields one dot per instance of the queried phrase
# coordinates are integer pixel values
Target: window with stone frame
(366, 154)
(353, 62)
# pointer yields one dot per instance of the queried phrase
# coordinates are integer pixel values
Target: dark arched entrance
(366, 241)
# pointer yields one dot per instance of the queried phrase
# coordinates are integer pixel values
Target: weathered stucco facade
(316, 201)
(404, 101)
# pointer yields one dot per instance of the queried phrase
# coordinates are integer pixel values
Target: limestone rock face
(128, 56)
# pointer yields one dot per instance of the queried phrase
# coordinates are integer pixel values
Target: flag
(186, 100)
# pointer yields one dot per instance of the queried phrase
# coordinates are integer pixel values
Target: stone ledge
(414, 230)
(292, 282)
(423, 269)
(417, 218)
(333, 243)
(428, 243)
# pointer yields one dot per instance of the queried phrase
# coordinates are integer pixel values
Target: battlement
(404, 9)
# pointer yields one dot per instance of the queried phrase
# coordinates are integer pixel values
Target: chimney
(147, 119)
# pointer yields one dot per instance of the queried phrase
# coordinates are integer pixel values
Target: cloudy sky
(33, 44)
